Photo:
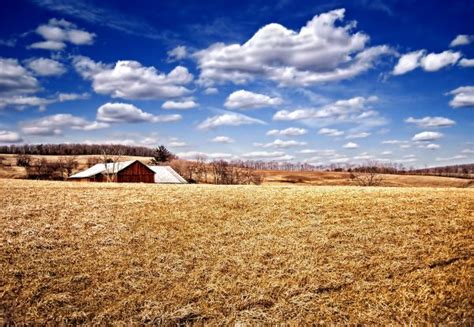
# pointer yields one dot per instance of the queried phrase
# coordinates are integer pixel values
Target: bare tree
(23, 160)
(111, 160)
(67, 165)
(367, 175)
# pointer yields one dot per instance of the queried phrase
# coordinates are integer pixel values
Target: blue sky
(307, 81)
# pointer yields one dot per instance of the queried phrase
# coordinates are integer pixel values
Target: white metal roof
(166, 174)
(109, 168)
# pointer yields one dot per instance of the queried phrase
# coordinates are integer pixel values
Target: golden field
(74, 253)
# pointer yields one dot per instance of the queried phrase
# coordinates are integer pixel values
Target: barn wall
(136, 173)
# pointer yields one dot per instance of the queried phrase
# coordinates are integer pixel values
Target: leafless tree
(67, 164)
(111, 159)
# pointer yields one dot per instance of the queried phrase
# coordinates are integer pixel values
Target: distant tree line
(77, 149)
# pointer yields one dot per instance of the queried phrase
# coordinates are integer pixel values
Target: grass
(167, 255)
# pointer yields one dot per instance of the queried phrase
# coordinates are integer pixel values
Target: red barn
(118, 172)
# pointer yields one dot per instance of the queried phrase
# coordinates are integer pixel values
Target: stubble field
(165, 255)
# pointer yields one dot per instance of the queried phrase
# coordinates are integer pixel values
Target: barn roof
(166, 174)
(108, 168)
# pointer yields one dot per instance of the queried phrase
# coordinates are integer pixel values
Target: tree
(161, 155)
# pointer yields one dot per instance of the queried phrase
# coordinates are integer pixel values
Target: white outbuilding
(167, 175)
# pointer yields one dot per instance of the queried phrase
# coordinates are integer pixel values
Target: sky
(320, 82)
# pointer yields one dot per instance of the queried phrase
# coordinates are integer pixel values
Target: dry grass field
(202, 254)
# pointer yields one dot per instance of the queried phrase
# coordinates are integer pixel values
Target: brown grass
(166, 255)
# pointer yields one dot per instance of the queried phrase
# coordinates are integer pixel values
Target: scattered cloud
(431, 122)
(72, 96)
(205, 155)
(427, 136)
(467, 151)
(243, 99)
(408, 62)
(130, 80)
(54, 125)
(15, 79)
(46, 67)
(7, 137)
(58, 32)
(290, 131)
(178, 53)
(321, 51)
(466, 62)
(128, 113)
(330, 132)
(211, 91)
(461, 39)
(431, 146)
(453, 158)
(228, 119)
(223, 139)
(179, 105)
(350, 145)
(428, 62)
(275, 155)
(463, 97)
(360, 135)
(280, 144)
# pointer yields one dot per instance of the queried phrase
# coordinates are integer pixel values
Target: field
(274, 176)
(166, 255)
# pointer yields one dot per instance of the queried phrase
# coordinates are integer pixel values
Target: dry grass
(166, 255)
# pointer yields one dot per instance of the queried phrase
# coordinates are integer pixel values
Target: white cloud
(211, 90)
(178, 53)
(54, 124)
(461, 39)
(275, 155)
(280, 144)
(15, 79)
(387, 153)
(324, 152)
(178, 144)
(23, 101)
(467, 151)
(431, 146)
(130, 80)
(179, 105)
(463, 97)
(427, 136)
(72, 96)
(429, 62)
(228, 119)
(10, 137)
(354, 110)
(243, 99)
(360, 135)
(453, 158)
(339, 160)
(222, 139)
(128, 113)
(350, 145)
(427, 122)
(196, 154)
(46, 67)
(321, 51)
(394, 142)
(408, 62)
(330, 132)
(59, 32)
(466, 62)
(290, 131)
(435, 61)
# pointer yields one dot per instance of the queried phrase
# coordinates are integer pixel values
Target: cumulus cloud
(463, 97)
(243, 99)
(196, 154)
(211, 91)
(427, 136)
(453, 158)
(290, 131)
(330, 132)
(408, 62)
(128, 113)
(430, 122)
(178, 53)
(130, 80)
(467, 151)
(428, 62)
(466, 62)
(430, 146)
(355, 110)
(323, 152)
(359, 135)
(321, 51)
(46, 67)
(275, 155)
(57, 33)
(461, 39)
(280, 144)
(15, 79)
(179, 105)
(228, 119)
(54, 124)
(350, 145)
(7, 137)
(223, 139)
(72, 96)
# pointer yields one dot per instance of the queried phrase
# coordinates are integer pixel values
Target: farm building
(128, 172)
